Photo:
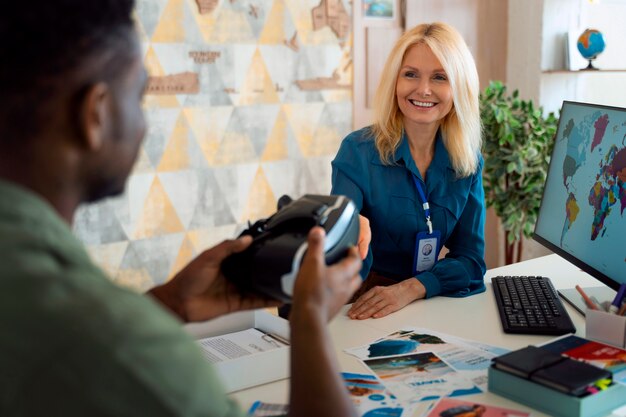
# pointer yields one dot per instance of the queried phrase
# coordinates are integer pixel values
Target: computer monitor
(583, 210)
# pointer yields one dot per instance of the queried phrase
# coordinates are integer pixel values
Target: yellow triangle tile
(258, 86)
(261, 201)
(158, 216)
(135, 279)
(301, 15)
(171, 25)
(159, 101)
(152, 63)
(231, 26)
(185, 255)
(208, 127)
(276, 147)
(176, 154)
(109, 256)
(273, 31)
(235, 148)
(325, 142)
(204, 239)
(303, 120)
(206, 22)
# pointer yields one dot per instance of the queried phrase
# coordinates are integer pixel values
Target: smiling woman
(416, 175)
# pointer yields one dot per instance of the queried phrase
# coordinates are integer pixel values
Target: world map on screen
(608, 191)
(584, 202)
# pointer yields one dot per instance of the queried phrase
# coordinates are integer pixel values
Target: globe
(590, 45)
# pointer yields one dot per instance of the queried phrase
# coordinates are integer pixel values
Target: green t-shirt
(74, 344)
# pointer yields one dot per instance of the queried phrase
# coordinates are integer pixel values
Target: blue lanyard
(425, 205)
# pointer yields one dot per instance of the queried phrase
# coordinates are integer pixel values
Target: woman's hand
(365, 236)
(381, 301)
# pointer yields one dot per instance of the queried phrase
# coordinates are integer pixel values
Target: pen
(617, 301)
(590, 304)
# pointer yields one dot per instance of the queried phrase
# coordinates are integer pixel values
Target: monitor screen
(582, 215)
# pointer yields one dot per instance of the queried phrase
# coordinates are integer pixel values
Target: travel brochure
(457, 366)
(412, 368)
(371, 398)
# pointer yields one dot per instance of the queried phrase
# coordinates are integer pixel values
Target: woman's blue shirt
(387, 196)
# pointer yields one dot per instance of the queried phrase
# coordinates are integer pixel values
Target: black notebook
(552, 370)
(525, 361)
(570, 376)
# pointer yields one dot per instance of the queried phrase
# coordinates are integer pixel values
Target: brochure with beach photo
(371, 398)
(420, 377)
(470, 358)
(449, 407)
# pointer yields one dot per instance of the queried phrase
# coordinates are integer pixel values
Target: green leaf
(517, 143)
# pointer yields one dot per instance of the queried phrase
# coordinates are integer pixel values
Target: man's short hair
(50, 46)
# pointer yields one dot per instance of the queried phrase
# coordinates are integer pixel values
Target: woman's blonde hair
(461, 128)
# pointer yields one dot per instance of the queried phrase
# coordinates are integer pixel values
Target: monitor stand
(603, 294)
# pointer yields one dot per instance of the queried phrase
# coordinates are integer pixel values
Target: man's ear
(94, 115)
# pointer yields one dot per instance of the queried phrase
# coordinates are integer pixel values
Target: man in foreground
(71, 342)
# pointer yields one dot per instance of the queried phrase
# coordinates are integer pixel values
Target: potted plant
(517, 144)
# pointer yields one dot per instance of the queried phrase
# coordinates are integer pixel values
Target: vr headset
(269, 266)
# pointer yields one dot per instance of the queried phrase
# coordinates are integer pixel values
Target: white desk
(475, 318)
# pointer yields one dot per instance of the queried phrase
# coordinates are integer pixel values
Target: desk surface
(474, 318)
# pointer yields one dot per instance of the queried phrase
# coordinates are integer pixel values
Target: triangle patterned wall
(214, 159)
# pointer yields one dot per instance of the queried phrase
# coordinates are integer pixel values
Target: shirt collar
(439, 165)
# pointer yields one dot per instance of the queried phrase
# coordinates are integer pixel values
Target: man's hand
(200, 292)
(321, 289)
(381, 301)
(365, 236)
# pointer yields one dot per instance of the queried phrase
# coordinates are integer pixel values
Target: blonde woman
(415, 175)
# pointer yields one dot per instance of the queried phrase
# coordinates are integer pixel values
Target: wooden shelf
(581, 71)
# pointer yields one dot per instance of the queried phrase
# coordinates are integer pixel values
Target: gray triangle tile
(161, 124)
(212, 89)
(149, 13)
(234, 183)
(211, 208)
(155, 255)
(97, 224)
(256, 122)
(182, 188)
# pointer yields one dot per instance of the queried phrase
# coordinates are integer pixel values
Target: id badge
(426, 250)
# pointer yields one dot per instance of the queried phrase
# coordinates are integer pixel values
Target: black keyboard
(530, 305)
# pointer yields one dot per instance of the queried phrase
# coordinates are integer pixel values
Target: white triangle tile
(233, 66)
(281, 65)
(174, 57)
